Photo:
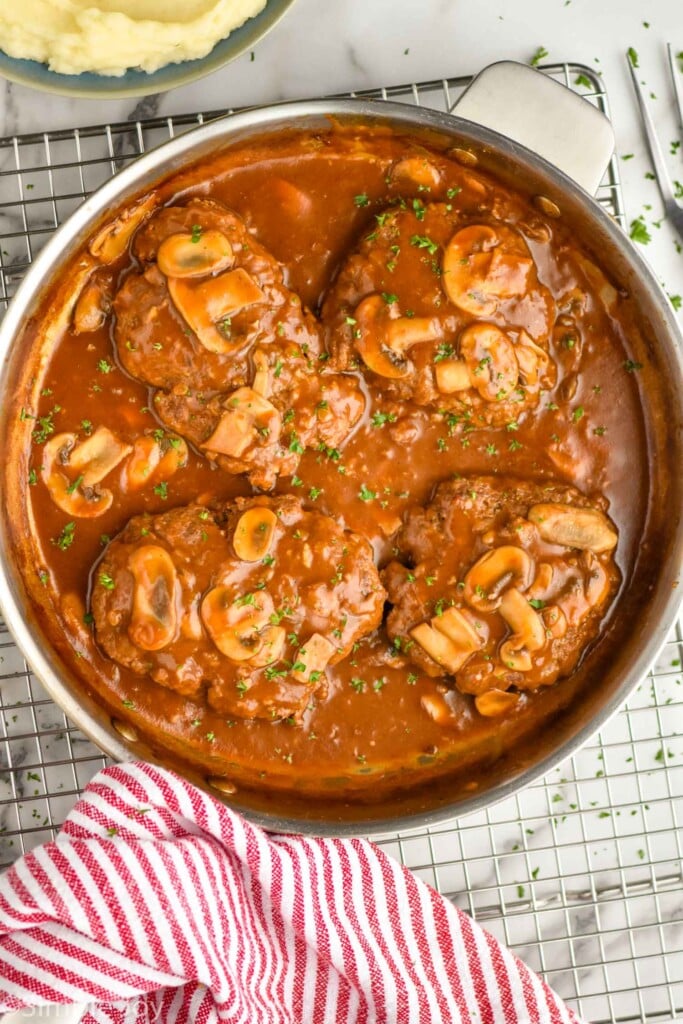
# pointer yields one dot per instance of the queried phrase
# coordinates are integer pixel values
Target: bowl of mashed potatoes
(114, 48)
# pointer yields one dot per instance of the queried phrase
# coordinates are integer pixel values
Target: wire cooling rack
(580, 874)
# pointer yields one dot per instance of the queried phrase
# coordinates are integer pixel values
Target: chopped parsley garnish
(631, 366)
(196, 233)
(444, 351)
(378, 419)
(74, 485)
(365, 494)
(295, 444)
(578, 413)
(45, 427)
(162, 490)
(361, 200)
(86, 427)
(66, 537)
(315, 493)
(419, 209)
(32, 478)
(389, 298)
(536, 603)
(424, 242)
(107, 581)
(104, 367)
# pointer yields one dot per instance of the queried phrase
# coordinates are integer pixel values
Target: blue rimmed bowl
(89, 85)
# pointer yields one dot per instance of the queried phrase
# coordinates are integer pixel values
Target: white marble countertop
(327, 46)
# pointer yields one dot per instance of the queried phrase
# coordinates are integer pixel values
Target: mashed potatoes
(109, 36)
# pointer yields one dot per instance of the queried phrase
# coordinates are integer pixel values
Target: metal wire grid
(580, 874)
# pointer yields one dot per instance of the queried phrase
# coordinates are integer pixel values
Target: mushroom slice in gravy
(73, 470)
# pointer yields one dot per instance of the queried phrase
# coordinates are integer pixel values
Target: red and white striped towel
(157, 903)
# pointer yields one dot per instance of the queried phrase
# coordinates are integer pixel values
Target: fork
(673, 209)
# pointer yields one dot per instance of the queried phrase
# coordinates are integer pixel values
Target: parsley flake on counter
(638, 231)
(582, 80)
(541, 54)
(633, 57)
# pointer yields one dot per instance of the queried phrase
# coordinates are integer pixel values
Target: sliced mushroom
(586, 589)
(89, 463)
(254, 533)
(491, 361)
(583, 528)
(262, 382)
(555, 621)
(153, 460)
(315, 655)
(59, 314)
(237, 625)
(534, 363)
(153, 621)
(417, 169)
(272, 646)
(454, 624)
(437, 707)
(492, 573)
(542, 581)
(207, 306)
(112, 239)
(383, 337)
(522, 619)
(247, 419)
(478, 270)
(93, 304)
(495, 702)
(452, 375)
(440, 647)
(528, 631)
(95, 457)
(194, 255)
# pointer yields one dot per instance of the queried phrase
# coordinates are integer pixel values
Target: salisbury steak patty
(444, 312)
(244, 606)
(502, 584)
(237, 360)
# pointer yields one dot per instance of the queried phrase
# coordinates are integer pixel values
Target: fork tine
(661, 171)
(675, 78)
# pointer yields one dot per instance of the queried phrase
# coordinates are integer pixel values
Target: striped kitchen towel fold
(157, 903)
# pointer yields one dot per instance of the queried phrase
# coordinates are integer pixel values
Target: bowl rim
(169, 158)
(188, 71)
